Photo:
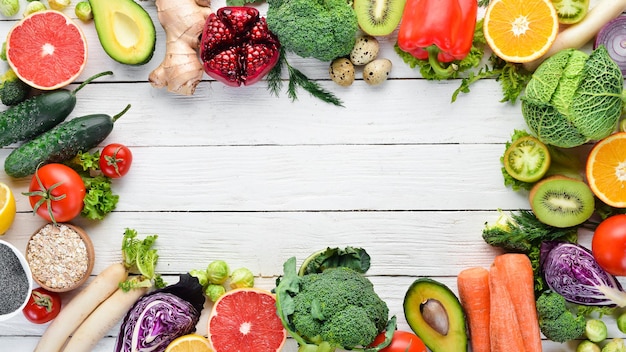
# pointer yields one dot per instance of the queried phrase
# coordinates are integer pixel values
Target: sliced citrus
(189, 343)
(520, 30)
(47, 50)
(7, 208)
(245, 320)
(606, 170)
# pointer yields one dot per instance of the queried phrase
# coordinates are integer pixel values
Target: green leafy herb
(513, 78)
(139, 256)
(99, 199)
(297, 79)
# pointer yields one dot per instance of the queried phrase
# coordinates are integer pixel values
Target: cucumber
(38, 114)
(61, 143)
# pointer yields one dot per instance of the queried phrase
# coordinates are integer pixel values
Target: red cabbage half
(159, 317)
(571, 270)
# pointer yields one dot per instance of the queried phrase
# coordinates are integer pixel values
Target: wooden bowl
(59, 260)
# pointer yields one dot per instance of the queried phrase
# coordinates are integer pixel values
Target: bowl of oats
(60, 256)
(15, 281)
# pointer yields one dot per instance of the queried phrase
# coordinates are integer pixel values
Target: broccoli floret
(335, 309)
(322, 29)
(12, 89)
(556, 321)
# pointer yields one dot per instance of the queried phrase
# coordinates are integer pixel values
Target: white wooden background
(240, 175)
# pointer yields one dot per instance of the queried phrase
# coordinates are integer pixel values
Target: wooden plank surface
(240, 175)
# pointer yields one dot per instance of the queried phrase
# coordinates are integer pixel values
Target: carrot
(77, 309)
(505, 331)
(473, 286)
(101, 320)
(518, 272)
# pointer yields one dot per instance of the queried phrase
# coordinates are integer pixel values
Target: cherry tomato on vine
(115, 160)
(42, 306)
(608, 244)
(56, 192)
(402, 341)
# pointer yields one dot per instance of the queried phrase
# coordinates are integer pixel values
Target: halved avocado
(435, 314)
(125, 30)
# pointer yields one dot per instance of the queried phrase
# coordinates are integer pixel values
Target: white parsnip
(578, 35)
(79, 308)
(103, 319)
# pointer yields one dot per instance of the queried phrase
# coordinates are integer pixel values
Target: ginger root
(183, 21)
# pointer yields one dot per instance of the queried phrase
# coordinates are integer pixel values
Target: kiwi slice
(571, 11)
(561, 201)
(527, 159)
(378, 17)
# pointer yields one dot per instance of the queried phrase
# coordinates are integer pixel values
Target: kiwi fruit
(561, 201)
(571, 11)
(527, 159)
(378, 17)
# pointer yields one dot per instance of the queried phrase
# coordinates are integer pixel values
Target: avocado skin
(422, 290)
(106, 12)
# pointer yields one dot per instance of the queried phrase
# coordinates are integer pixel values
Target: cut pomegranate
(237, 47)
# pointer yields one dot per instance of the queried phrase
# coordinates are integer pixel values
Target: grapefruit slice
(245, 320)
(47, 50)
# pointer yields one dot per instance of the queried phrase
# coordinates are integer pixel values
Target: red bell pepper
(441, 31)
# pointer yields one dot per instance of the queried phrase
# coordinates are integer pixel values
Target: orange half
(520, 30)
(606, 170)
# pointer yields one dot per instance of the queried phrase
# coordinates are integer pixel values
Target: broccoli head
(12, 89)
(556, 321)
(334, 309)
(322, 29)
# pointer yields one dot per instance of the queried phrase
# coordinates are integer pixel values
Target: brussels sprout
(83, 11)
(615, 345)
(217, 272)
(595, 329)
(241, 278)
(58, 4)
(201, 275)
(622, 125)
(9, 8)
(621, 322)
(213, 291)
(587, 346)
(34, 6)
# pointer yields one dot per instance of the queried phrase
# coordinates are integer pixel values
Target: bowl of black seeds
(15, 281)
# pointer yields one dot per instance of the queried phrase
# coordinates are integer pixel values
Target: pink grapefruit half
(245, 320)
(47, 50)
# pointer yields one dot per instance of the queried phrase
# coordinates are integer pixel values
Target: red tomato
(115, 160)
(56, 192)
(402, 341)
(42, 306)
(608, 244)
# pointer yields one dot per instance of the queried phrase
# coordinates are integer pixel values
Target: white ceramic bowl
(29, 277)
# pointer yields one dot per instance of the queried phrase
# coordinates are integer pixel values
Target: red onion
(613, 37)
